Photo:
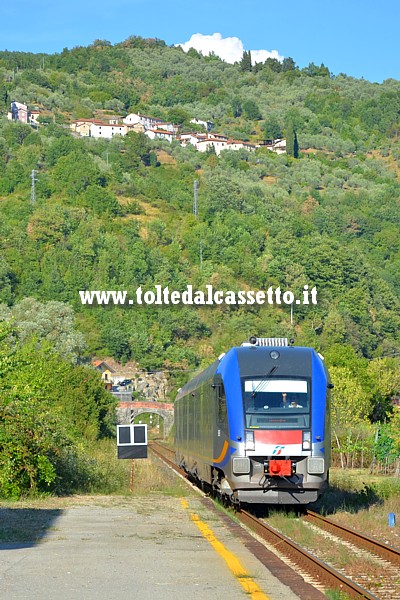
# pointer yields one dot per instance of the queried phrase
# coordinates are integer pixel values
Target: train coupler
(279, 468)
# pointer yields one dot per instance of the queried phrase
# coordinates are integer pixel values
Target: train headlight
(249, 440)
(315, 465)
(241, 466)
(306, 440)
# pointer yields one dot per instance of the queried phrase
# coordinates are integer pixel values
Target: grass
(28, 519)
(113, 476)
(364, 569)
(337, 595)
(363, 501)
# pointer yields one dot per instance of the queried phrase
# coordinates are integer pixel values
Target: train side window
(222, 408)
(222, 411)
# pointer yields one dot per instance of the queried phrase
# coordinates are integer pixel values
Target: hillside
(79, 213)
(108, 215)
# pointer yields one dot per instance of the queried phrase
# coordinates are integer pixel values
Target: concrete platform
(141, 548)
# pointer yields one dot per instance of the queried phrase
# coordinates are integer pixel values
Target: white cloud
(258, 56)
(229, 49)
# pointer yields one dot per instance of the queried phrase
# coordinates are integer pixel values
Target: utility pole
(196, 214)
(33, 190)
(195, 198)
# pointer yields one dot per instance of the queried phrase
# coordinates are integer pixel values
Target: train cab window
(222, 411)
(276, 403)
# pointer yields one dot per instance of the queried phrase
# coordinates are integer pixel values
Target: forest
(118, 214)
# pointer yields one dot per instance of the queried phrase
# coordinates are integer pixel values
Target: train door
(221, 438)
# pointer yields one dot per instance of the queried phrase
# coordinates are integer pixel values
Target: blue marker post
(392, 519)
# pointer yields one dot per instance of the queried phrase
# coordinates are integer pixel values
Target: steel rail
(160, 450)
(386, 551)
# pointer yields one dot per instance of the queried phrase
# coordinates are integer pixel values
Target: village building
(159, 134)
(19, 112)
(208, 125)
(107, 130)
(155, 128)
(33, 116)
(104, 369)
(98, 129)
(82, 126)
(145, 120)
(169, 127)
(209, 143)
(239, 145)
(278, 145)
(136, 127)
(218, 136)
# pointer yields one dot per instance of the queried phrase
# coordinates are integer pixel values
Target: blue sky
(356, 37)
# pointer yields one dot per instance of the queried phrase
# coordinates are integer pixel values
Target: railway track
(385, 551)
(166, 454)
(327, 576)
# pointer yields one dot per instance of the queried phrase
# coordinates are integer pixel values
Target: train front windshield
(276, 403)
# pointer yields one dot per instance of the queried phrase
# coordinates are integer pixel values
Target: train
(254, 427)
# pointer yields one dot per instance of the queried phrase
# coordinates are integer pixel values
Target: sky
(356, 37)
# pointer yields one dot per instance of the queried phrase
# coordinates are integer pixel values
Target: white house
(145, 120)
(191, 138)
(82, 126)
(159, 134)
(98, 129)
(208, 143)
(106, 130)
(184, 136)
(208, 125)
(33, 116)
(279, 146)
(168, 127)
(217, 136)
(239, 145)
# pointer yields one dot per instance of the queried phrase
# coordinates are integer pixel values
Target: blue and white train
(255, 426)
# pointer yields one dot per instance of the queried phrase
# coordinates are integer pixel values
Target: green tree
(272, 130)
(73, 173)
(51, 322)
(351, 406)
(236, 107)
(288, 64)
(292, 145)
(47, 407)
(100, 200)
(251, 110)
(245, 63)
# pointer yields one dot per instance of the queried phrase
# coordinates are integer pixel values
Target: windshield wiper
(254, 392)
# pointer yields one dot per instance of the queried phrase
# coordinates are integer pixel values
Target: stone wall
(150, 386)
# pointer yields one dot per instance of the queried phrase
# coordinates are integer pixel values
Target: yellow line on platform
(245, 580)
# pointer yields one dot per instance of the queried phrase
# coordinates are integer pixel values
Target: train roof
(254, 360)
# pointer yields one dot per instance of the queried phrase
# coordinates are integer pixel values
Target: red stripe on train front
(276, 436)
